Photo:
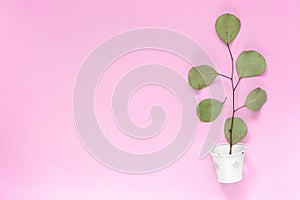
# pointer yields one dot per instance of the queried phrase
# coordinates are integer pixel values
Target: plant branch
(239, 108)
(225, 100)
(233, 100)
(237, 83)
(232, 65)
(225, 76)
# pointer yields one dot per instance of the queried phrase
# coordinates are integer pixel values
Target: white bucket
(229, 168)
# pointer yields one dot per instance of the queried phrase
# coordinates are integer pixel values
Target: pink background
(44, 43)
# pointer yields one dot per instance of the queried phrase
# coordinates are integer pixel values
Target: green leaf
(209, 109)
(201, 76)
(227, 27)
(250, 63)
(256, 99)
(239, 130)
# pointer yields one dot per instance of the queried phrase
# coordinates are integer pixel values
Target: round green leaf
(250, 63)
(256, 99)
(239, 130)
(227, 27)
(201, 76)
(209, 109)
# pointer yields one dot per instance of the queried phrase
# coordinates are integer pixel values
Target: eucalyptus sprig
(248, 64)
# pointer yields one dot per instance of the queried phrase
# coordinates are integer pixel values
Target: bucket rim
(227, 155)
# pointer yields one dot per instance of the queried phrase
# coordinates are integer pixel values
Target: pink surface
(43, 45)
